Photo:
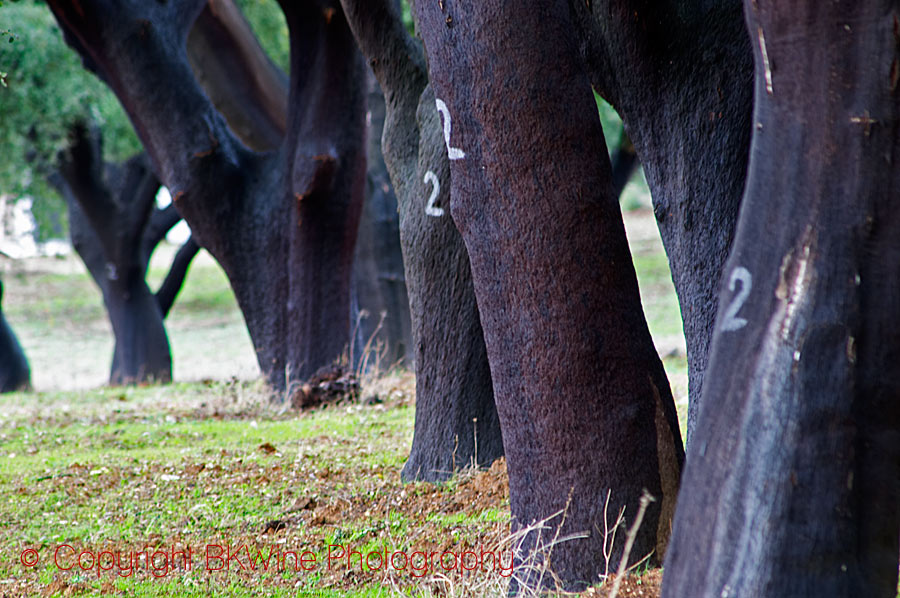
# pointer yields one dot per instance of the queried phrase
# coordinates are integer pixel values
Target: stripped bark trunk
(680, 75)
(793, 478)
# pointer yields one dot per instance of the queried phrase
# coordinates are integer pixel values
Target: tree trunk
(109, 208)
(793, 477)
(456, 419)
(14, 371)
(382, 331)
(282, 224)
(115, 228)
(583, 400)
(680, 75)
(624, 163)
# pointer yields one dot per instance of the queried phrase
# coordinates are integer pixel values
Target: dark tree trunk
(251, 93)
(624, 163)
(793, 479)
(114, 228)
(14, 371)
(680, 75)
(382, 331)
(281, 224)
(583, 400)
(456, 420)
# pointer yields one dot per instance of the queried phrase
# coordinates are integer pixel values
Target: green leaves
(46, 89)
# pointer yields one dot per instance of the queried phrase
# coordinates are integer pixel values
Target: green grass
(658, 295)
(116, 472)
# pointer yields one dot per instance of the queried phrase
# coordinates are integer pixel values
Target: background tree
(793, 477)
(14, 371)
(46, 92)
(115, 226)
(382, 332)
(583, 400)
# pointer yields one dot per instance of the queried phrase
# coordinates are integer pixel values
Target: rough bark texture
(14, 371)
(251, 93)
(793, 476)
(680, 75)
(456, 420)
(583, 400)
(115, 228)
(382, 332)
(281, 224)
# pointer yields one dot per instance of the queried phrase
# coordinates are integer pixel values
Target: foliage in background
(612, 124)
(47, 89)
(268, 24)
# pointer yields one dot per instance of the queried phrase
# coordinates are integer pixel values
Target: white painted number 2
(430, 208)
(454, 153)
(730, 321)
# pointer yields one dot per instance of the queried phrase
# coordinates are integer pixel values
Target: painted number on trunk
(730, 321)
(430, 208)
(454, 153)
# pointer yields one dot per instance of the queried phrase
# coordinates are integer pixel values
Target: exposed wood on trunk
(793, 477)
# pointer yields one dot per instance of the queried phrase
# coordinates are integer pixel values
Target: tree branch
(135, 193)
(244, 84)
(398, 62)
(174, 280)
(138, 47)
(81, 167)
(161, 222)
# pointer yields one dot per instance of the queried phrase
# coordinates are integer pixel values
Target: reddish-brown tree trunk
(792, 482)
(583, 400)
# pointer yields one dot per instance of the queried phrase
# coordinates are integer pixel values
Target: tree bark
(624, 163)
(282, 224)
(793, 477)
(14, 371)
(251, 93)
(456, 419)
(382, 330)
(582, 397)
(680, 75)
(248, 88)
(110, 208)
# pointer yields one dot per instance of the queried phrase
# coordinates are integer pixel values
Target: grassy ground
(129, 480)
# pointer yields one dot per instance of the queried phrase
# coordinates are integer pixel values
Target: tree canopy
(47, 90)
